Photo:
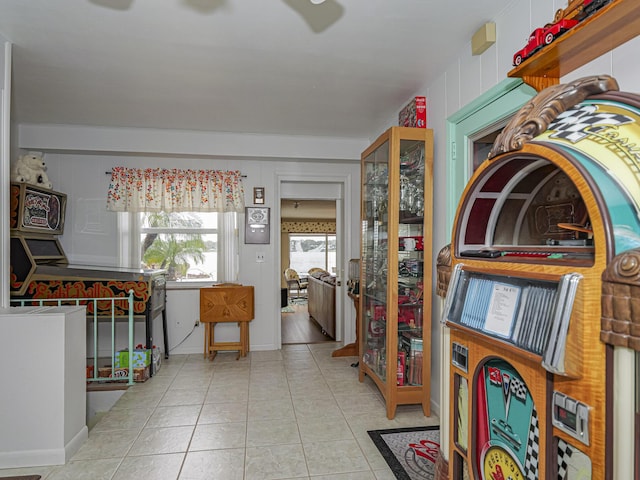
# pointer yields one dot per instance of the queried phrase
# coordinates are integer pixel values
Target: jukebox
(40, 270)
(537, 336)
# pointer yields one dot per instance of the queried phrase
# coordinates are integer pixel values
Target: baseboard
(42, 457)
(76, 442)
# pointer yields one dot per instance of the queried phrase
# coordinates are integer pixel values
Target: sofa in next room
(321, 293)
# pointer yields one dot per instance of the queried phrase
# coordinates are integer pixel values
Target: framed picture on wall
(258, 195)
(256, 225)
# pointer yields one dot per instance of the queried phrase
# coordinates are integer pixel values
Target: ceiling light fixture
(319, 14)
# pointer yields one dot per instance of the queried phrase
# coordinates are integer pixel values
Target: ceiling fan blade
(318, 17)
(113, 4)
(205, 6)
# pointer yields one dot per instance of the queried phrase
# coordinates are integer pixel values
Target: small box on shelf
(411, 244)
(141, 358)
(402, 364)
(121, 374)
(414, 114)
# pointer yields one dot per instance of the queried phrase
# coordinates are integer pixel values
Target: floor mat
(287, 309)
(410, 452)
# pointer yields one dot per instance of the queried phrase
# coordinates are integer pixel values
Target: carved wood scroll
(534, 117)
(620, 321)
(443, 264)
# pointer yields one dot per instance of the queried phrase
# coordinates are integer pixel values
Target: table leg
(206, 339)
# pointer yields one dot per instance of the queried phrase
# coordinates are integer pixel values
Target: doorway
(336, 189)
(308, 252)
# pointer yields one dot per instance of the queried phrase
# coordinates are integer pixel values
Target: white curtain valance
(175, 190)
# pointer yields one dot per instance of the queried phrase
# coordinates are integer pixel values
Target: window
(307, 251)
(164, 224)
(186, 244)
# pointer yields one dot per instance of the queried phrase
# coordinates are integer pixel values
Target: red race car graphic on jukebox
(506, 424)
(543, 36)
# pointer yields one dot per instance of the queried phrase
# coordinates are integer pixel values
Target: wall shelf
(607, 29)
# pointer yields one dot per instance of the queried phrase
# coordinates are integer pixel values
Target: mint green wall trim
(491, 108)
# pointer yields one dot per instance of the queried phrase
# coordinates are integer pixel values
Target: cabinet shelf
(605, 30)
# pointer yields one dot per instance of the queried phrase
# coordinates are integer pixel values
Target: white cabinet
(43, 401)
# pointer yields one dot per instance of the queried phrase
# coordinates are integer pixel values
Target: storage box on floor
(142, 358)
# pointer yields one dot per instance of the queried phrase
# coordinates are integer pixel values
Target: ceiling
(338, 69)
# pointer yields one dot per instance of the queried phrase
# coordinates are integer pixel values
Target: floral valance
(175, 190)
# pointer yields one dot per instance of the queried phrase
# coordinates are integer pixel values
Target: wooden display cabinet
(396, 266)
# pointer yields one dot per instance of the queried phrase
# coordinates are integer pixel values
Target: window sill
(191, 285)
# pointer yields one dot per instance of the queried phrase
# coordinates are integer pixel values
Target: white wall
(90, 235)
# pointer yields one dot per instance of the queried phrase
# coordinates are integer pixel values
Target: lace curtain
(175, 190)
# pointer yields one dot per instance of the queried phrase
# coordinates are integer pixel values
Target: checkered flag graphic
(532, 457)
(564, 454)
(576, 123)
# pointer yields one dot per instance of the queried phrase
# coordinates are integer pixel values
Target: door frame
(491, 108)
(345, 320)
(5, 177)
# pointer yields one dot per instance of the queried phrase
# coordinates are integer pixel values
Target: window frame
(138, 231)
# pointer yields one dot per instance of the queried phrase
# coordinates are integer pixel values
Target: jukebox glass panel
(530, 314)
(525, 208)
(461, 409)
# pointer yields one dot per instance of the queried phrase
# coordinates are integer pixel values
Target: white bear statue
(30, 168)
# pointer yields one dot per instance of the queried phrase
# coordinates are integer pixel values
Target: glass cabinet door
(410, 263)
(373, 287)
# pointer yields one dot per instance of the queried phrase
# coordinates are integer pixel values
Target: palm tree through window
(185, 244)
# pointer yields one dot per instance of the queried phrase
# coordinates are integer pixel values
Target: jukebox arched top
(543, 201)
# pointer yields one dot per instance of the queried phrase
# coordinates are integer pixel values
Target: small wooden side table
(223, 304)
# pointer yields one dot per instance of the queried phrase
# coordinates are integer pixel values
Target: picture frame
(258, 195)
(257, 225)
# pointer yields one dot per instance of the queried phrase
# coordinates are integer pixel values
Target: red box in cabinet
(413, 243)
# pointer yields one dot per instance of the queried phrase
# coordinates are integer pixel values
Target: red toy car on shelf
(541, 37)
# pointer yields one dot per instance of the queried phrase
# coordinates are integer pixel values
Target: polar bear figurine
(30, 168)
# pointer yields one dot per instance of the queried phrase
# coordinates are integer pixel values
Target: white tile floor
(295, 413)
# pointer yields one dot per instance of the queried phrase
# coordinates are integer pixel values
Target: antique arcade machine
(535, 347)
(40, 270)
